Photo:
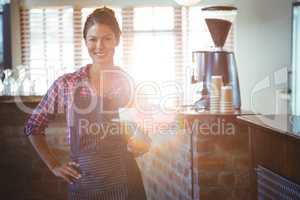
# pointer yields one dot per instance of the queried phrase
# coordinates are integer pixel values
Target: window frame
(6, 63)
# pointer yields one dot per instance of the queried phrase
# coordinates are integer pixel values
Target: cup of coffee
(139, 142)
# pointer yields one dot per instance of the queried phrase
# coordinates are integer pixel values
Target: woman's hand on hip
(67, 171)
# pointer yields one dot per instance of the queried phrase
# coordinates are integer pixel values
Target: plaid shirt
(59, 97)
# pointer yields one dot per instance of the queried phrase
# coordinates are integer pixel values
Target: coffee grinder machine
(216, 61)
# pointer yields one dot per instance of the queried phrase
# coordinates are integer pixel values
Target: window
(156, 42)
(47, 44)
(153, 44)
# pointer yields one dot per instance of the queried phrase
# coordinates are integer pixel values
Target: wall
(263, 47)
(295, 103)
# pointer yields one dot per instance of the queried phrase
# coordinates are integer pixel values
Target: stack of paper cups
(226, 100)
(215, 93)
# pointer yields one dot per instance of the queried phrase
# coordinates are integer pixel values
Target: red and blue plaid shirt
(59, 97)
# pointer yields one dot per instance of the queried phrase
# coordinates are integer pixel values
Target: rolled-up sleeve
(51, 104)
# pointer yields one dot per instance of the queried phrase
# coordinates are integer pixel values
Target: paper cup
(226, 94)
(216, 84)
(139, 141)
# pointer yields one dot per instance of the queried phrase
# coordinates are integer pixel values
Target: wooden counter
(18, 99)
(23, 174)
(284, 124)
(274, 143)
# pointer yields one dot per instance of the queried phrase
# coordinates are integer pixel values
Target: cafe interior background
(41, 40)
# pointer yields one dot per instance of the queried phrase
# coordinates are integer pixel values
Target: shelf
(18, 99)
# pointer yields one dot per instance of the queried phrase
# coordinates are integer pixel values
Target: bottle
(7, 82)
(1, 87)
(26, 84)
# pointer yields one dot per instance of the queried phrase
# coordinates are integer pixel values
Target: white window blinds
(153, 44)
(47, 44)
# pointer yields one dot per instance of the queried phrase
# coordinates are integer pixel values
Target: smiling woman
(101, 43)
(105, 169)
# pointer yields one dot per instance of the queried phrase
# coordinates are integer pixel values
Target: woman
(103, 164)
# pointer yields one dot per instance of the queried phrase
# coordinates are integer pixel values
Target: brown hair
(103, 16)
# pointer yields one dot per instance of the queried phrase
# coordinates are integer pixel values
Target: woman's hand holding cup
(139, 143)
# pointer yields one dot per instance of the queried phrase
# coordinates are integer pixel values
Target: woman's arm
(51, 104)
(40, 145)
(65, 171)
